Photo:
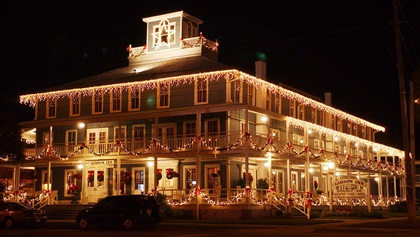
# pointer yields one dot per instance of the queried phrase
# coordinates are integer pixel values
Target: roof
(147, 71)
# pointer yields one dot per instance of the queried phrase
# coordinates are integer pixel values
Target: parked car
(127, 211)
(13, 214)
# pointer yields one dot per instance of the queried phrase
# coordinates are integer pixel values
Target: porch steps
(63, 212)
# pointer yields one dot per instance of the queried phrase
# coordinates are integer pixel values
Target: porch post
(246, 158)
(368, 194)
(83, 194)
(288, 184)
(155, 159)
(198, 163)
(16, 182)
(49, 180)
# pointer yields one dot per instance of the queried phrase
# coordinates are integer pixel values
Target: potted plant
(262, 183)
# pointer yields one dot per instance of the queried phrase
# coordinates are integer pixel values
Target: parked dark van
(127, 211)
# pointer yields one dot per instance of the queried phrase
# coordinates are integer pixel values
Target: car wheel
(83, 224)
(9, 223)
(128, 223)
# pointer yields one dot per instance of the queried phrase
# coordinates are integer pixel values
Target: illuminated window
(164, 34)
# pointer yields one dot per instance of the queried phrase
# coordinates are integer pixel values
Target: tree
(10, 139)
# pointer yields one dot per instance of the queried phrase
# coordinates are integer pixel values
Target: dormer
(172, 35)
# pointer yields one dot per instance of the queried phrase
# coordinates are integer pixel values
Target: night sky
(346, 47)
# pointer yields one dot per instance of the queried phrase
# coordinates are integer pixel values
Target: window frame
(74, 105)
(98, 104)
(115, 100)
(203, 92)
(160, 95)
(51, 111)
(137, 99)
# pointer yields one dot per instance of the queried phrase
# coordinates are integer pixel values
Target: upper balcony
(195, 46)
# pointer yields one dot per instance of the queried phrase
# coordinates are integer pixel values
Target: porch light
(266, 164)
(150, 163)
(81, 125)
(311, 170)
(264, 119)
(80, 166)
(330, 165)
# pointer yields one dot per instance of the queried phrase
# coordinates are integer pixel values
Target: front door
(97, 187)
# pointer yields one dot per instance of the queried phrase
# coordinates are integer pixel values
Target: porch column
(49, 180)
(83, 193)
(16, 182)
(288, 183)
(369, 200)
(246, 157)
(198, 163)
(155, 133)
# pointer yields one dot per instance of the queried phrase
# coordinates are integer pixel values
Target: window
(46, 139)
(139, 181)
(189, 30)
(97, 139)
(277, 103)
(268, 100)
(235, 91)
(52, 107)
(164, 34)
(69, 182)
(116, 100)
(98, 104)
(166, 133)
(75, 104)
(190, 129)
(134, 99)
(71, 140)
(251, 93)
(201, 91)
(119, 134)
(212, 128)
(44, 179)
(163, 95)
(301, 112)
(139, 137)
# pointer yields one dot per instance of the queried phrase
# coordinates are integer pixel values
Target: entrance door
(97, 187)
(190, 178)
(139, 184)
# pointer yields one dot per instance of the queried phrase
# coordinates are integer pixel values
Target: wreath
(159, 175)
(100, 177)
(250, 177)
(171, 174)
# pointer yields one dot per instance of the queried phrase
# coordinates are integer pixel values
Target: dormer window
(164, 34)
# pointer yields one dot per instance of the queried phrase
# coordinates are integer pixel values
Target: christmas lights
(230, 75)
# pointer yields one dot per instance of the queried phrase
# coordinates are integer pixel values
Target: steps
(63, 212)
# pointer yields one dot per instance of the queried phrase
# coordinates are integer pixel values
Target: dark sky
(345, 47)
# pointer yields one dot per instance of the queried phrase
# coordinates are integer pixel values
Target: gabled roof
(147, 71)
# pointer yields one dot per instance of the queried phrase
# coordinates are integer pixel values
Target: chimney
(327, 97)
(260, 70)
